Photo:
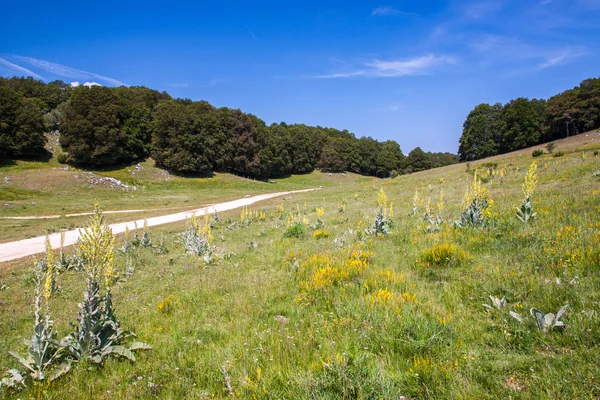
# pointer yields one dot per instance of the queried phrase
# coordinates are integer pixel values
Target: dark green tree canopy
(102, 126)
(520, 123)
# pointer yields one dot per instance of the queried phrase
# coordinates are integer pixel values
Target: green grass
(404, 324)
(56, 191)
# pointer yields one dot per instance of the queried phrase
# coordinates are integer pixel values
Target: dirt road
(27, 247)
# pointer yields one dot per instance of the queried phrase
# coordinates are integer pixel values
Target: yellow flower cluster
(323, 272)
(475, 191)
(167, 305)
(385, 297)
(531, 180)
(442, 255)
(320, 212)
(49, 284)
(253, 215)
(96, 249)
(320, 234)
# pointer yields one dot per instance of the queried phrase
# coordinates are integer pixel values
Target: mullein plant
(434, 222)
(381, 226)
(45, 358)
(197, 239)
(525, 212)
(477, 201)
(97, 333)
(145, 241)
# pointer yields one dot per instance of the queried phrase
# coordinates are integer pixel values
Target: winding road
(27, 247)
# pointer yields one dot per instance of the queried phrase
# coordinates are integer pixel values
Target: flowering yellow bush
(386, 297)
(323, 272)
(167, 305)
(443, 255)
(320, 234)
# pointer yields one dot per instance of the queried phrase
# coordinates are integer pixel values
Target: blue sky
(402, 70)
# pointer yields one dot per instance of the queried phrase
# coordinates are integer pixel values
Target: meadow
(424, 286)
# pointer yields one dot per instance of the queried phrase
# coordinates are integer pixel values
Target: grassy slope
(49, 189)
(443, 344)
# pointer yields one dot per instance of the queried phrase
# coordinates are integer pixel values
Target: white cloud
(23, 70)
(87, 84)
(67, 72)
(396, 68)
(563, 56)
(384, 11)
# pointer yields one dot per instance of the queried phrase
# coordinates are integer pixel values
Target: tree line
(102, 126)
(496, 129)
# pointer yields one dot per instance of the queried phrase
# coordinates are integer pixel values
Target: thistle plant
(525, 212)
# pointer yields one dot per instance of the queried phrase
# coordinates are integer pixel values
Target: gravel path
(22, 248)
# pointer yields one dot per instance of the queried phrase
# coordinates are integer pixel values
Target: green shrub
(62, 158)
(558, 154)
(296, 230)
(537, 153)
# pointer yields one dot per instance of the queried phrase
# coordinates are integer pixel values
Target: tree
(21, 125)
(522, 121)
(481, 133)
(417, 160)
(91, 130)
(180, 137)
(29, 139)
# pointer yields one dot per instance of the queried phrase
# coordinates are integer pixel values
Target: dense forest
(101, 126)
(520, 123)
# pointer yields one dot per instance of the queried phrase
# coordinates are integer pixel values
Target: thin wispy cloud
(563, 56)
(496, 49)
(482, 9)
(395, 68)
(67, 72)
(178, 85)
(389, 11)
(20, 69)
(250, 32)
